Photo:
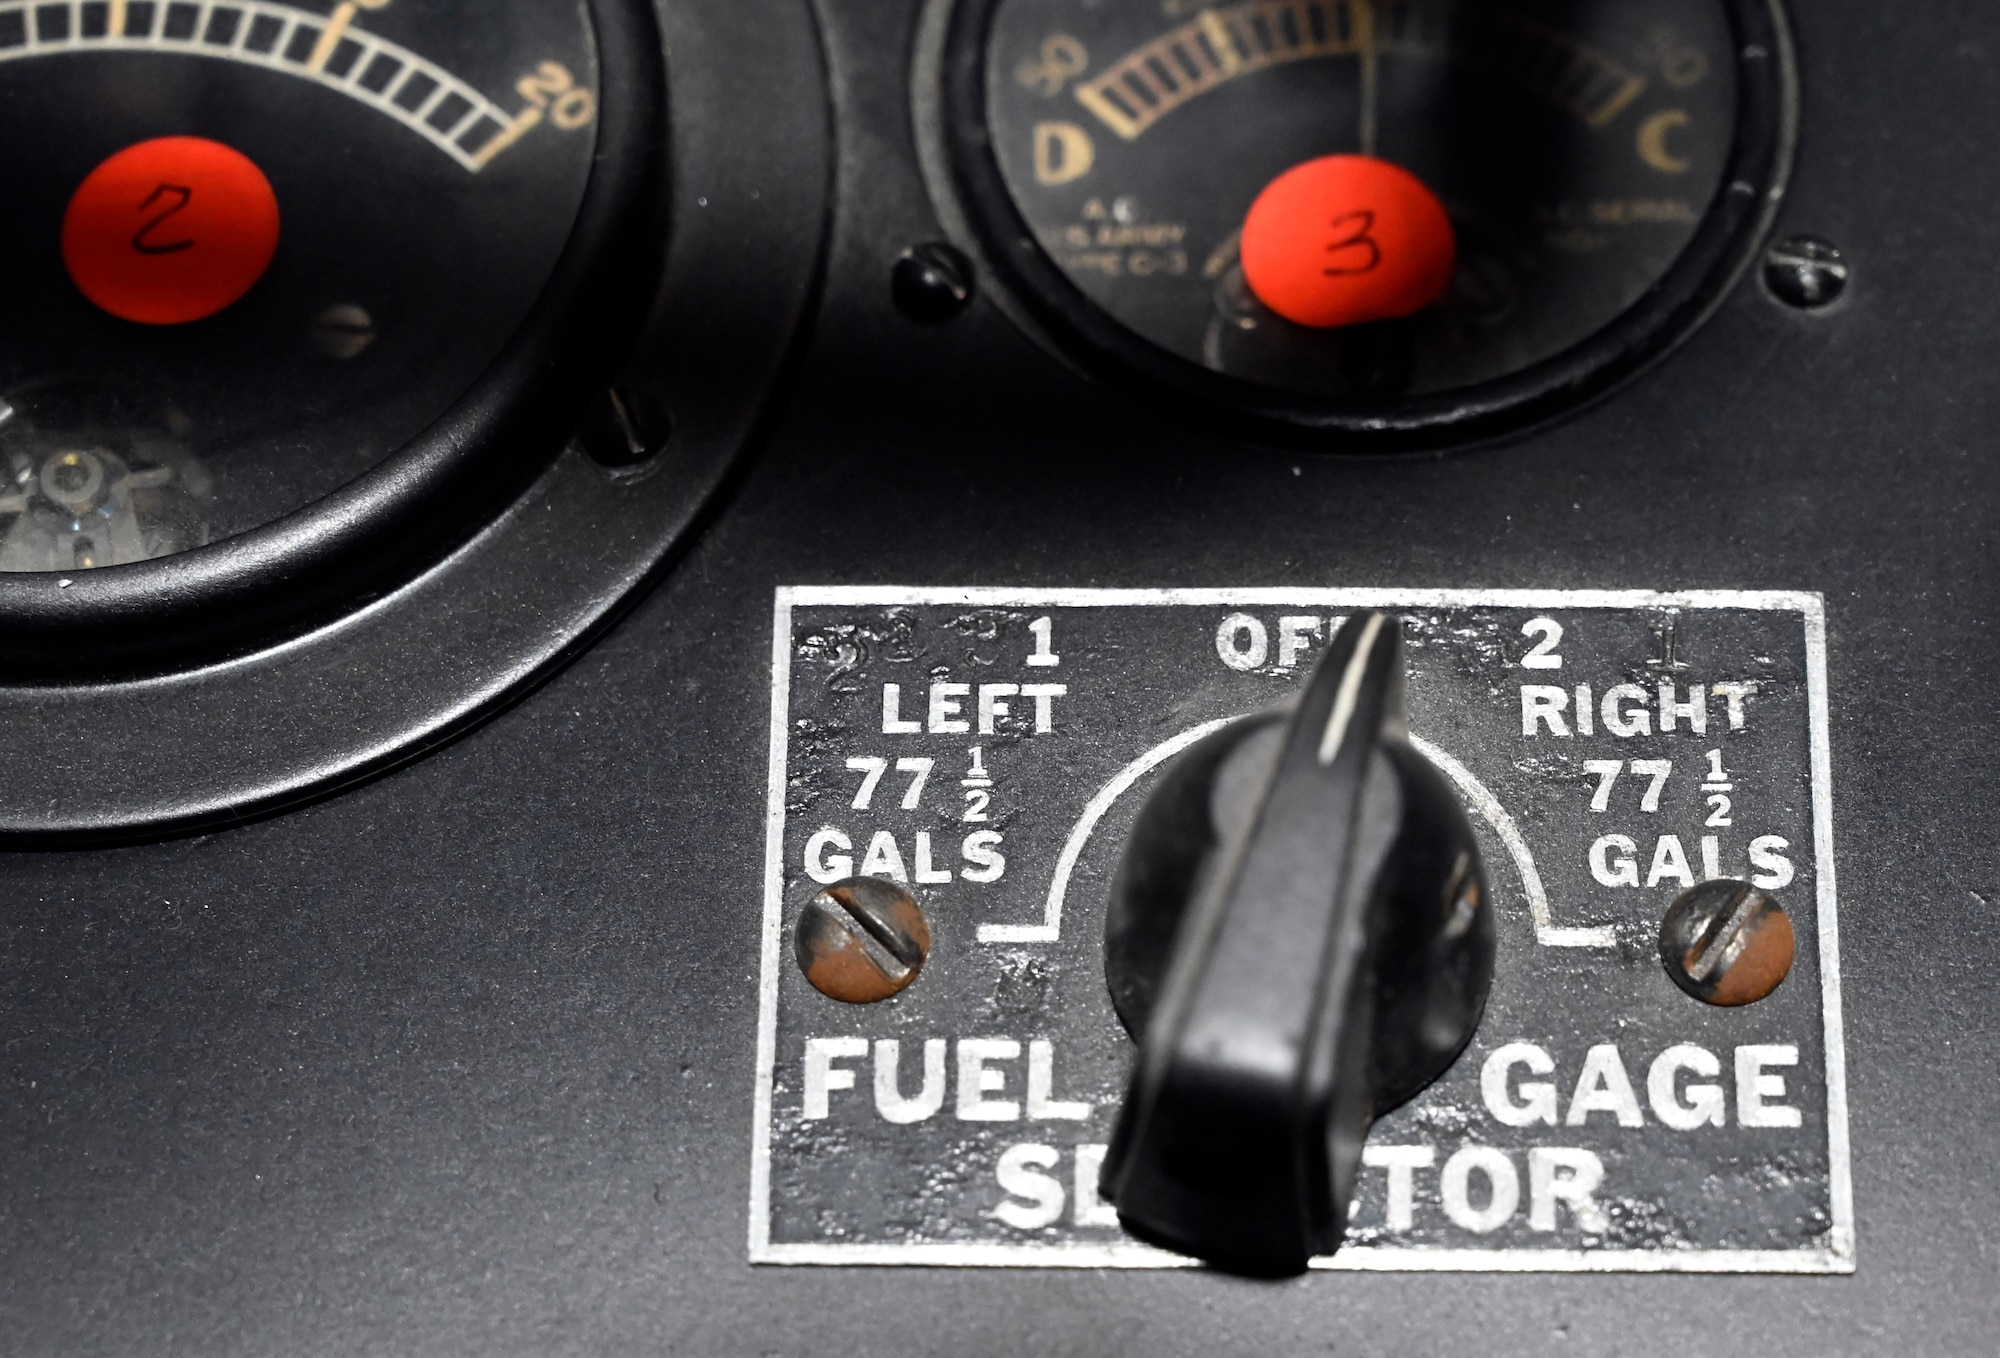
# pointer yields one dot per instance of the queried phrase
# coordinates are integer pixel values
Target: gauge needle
(1365, 43)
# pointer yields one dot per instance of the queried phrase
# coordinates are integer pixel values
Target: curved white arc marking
(287, 19)
(1547, 933)
(1488, 805)
(1051, 927)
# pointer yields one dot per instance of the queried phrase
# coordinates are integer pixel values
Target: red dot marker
(170, 230)
(1346, 239)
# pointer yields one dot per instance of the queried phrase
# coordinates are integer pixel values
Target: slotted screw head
(1726, 942)
(861, 940)
(1805, 272)
(931, 282)
(343, 331)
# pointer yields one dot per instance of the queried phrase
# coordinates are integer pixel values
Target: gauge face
(1576, 149)
(255, 248)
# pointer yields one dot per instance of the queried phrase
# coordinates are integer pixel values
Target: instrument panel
(629, 630)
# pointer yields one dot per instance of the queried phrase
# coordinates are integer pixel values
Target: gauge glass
(1575, 147)
(254, 248)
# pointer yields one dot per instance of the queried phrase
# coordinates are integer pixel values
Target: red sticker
(171, 230)
(1346, 239)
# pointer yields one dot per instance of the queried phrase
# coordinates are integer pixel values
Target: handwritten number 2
(1356, 226)
(141, 242)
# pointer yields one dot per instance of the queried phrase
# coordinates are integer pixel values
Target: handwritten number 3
(1356, 225)
(181, 195)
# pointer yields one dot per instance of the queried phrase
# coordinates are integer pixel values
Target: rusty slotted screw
(861, 940)
(1726, 942)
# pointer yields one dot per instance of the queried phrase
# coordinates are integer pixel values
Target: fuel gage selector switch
(1299, 938)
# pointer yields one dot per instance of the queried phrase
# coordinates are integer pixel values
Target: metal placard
(989, 748)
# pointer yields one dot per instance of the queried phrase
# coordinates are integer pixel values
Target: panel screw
(931, 282)
(1805, 272)
(343, 332)
(861, 940)
(1726, 943)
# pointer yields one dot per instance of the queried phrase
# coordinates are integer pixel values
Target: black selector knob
(1299, 939)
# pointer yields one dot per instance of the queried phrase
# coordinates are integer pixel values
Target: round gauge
(267, 265)
(364, 360)
(1384, 221)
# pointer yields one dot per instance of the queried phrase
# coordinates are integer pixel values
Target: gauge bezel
(425, 498)
(1722, 248)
